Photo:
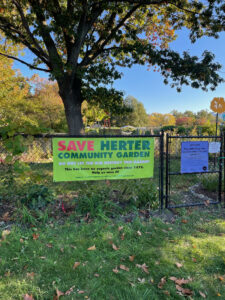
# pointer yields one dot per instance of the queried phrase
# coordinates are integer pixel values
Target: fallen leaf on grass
(221, 278)
(157, 263)
(81, 292)
(186, 292)
(31, 275)
(7, 273)
(96, 275)
(87, 216)
(92, 248)
(194, 260)
(202, 294)
(141, 280)
(207, 202)
(116, 270)
(167, 293)
(120, 228)
(70, 290)
(5, 233)
(49, 245)
(28, 297)
(6, 217)
(122, 267)
(131, 258)
(143, 267)
(162, 282)
(42, 257)
(35, 236)
(58, 294)
(122, 236)
(184, 221)
(115, 247)
(21, 240)
(218, 295)
(139, 233)
(180, 281)
(178, 265)
(76, 264)
(62, 250)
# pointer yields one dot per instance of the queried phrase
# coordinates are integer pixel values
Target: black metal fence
(195, 188)
(39, 153)
(175, 189)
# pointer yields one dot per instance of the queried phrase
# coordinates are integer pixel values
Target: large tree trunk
(72, 99)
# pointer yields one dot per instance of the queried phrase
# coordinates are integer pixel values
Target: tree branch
(87, 57)
(25, 63)
(6, 26)
(57, 14)
(55, 59)
(27, 28)
(108, 27)
(83, 28)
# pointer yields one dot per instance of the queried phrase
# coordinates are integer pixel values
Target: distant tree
(189, 114)
(205, 114)
(49, 110)
(14, 90)
(92, 113)
(202, 122)
(158, 120)
(135, 116)
(176, 114)
(185, 121)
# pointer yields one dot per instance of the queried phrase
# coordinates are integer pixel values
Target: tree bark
(72, 99)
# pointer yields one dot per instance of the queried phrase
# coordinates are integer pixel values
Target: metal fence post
(162, 169)
(167, 169)
(223, 151)
(220, 165)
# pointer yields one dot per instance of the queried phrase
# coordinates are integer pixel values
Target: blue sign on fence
(194, 157)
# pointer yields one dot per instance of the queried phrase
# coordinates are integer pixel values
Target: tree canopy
(81, 43)
(136, 114)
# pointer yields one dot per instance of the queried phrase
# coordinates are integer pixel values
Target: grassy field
(165, 257)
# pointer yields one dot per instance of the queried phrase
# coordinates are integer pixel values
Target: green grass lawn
(129, 261)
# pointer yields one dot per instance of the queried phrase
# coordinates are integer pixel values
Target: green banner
(102, 158)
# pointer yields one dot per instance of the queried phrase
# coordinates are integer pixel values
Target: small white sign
(214, 147)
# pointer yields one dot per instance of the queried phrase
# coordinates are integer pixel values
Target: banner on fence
(194, 157)
(102, 158)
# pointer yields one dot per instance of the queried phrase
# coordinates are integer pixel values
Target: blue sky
(148, 86)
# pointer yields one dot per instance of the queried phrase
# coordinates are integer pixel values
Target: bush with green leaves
(37, 197)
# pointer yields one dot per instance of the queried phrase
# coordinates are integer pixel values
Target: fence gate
(192, 187)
